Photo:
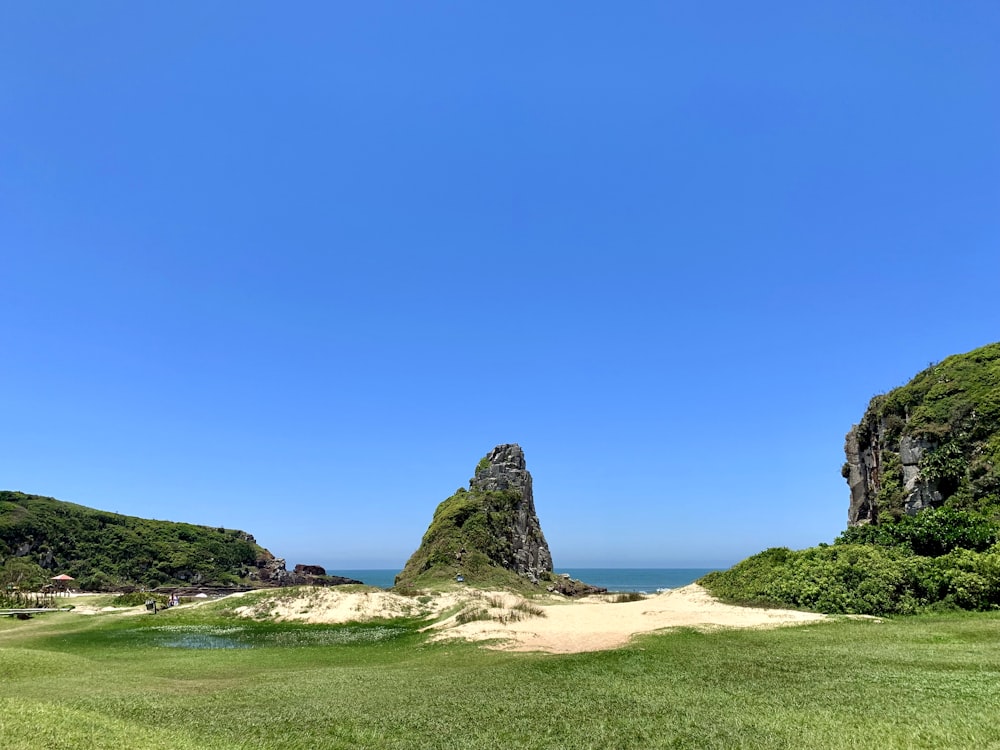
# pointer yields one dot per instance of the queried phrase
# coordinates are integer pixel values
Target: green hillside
(41, 537)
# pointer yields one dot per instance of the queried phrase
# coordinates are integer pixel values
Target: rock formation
(934, 441)
(503, 470)
(489, 527)
(271, 571)
(311, 570)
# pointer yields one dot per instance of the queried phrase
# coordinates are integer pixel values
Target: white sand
(331, 605)
(566, 626)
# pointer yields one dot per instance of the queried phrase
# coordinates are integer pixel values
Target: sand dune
(509, 622)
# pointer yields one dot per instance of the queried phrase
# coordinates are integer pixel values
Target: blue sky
(296, 269)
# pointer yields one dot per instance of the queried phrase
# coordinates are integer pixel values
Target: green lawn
(69, 681)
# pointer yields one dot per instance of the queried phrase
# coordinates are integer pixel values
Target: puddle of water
(200, 641)
(234, 637)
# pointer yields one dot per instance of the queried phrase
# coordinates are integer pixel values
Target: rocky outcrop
(504, 469)
(311, 570)
(933, 441)
(859, 471)
(568, 586)
(884, 475)
(492, 526)
(271, 572)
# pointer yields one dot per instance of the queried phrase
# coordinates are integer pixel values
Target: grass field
(201, 679)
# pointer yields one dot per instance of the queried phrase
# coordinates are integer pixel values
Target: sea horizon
(644, 580)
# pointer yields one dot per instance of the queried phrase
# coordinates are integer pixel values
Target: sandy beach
(507, 621)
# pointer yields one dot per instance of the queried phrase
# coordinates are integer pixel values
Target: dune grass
(68, 681)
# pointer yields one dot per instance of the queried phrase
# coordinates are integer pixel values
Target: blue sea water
(648, 580)
(645, 580)
(383, 578)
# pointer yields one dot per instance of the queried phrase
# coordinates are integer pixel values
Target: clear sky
(294, 268)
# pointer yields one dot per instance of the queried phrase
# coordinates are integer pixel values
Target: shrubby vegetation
(104, 550)
(939, 558)
(933, 532)
(19, 580)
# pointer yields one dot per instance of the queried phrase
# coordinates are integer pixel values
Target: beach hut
(62, 582)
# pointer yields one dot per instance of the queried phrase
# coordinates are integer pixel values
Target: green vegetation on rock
(104, 550)
(924, 469)
(951, 413)
(468, 536)
(486, 536)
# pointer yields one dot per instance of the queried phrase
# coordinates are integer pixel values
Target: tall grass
(68, 681)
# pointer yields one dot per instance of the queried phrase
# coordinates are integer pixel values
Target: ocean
(647, 580)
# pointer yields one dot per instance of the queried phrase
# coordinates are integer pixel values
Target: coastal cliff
(934, 441)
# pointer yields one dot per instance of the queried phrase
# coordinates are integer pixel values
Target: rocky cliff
(488, 528)
(934, 441)
(503, 470)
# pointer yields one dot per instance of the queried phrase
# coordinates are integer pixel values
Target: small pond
(238, 636)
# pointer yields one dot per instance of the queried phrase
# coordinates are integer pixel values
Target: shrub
(532, 610)
(862, 579)
(627, 596)
(471, 615)
(932, 532)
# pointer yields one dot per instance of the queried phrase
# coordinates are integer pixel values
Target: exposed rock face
(271, 570)
(920, 492)
(492, 525)
(504, 468)
(885, 475)
(858, 472)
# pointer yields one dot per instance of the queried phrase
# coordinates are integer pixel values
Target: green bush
(22, 573)
(862, 579)
(932, 532)
(627, 596)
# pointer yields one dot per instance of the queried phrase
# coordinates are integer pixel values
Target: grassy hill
(41, 537)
